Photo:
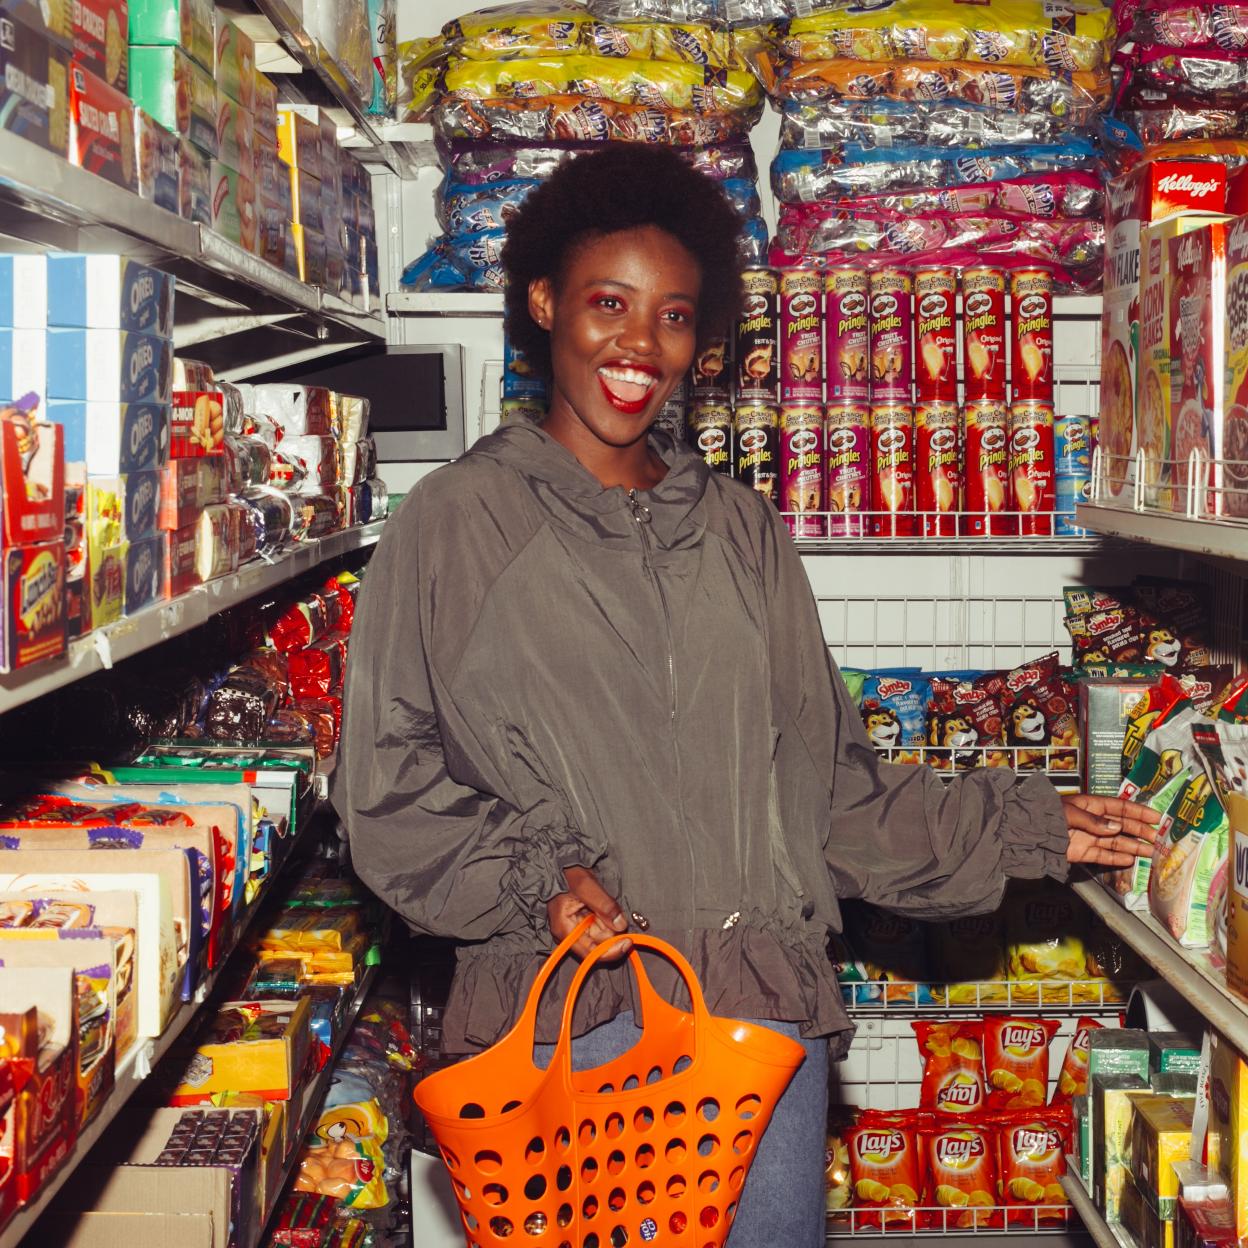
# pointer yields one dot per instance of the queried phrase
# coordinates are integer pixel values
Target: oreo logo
(977, 304)
(932, 305)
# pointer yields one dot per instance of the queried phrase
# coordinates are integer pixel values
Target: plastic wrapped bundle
(315, 515)
(290, 726)
(1176, 123)
(248, 460)
(459, 262)
(464, 209)
(1213, 73)
(270, 513)
(241, 708)
(1182, 24)
(304, 622)
(315, 723)
(318, 668)
(377, 500)
(472, 164)
(319, 455)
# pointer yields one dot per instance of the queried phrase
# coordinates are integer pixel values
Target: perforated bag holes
(619, 1237)
(645, 1157)
(535, 1223)
(674, 1113)
(736, 1178)
(588, 1133)
(617, 1200)
(742, 1142)
(631, 1083)
(656, 1073)
(675, 1152)
(708, 1145)
(501, 1228)
(708, 1109)
(494, 1194)
(645, 1192)
(589, 1170)
(615, 1163)
(643, 1119)
(563, 1139)
(488, 1162)
(563, 1178)
(535, 1151)
(589, 1208)
(614, 1126)
(708, 1182)
(472, 1110)
(748, 1106)
(676, 1186)
(535, 1188)
(682, 1064)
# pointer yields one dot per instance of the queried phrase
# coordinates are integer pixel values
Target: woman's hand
(586, 896)
(1108, 831)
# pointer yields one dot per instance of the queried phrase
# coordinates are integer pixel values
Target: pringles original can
(801, 336)
(1072, 453)
(710, 379)
(801, 469)
(710, 434)
(756, 352)
(935, 334)
(1031, 335)
(1031, 465)
(757, 428)
(846, 295)
(983, 333)
(986, 449)
(938, 466)
(891, 328)
(847, 469)
(892, 470)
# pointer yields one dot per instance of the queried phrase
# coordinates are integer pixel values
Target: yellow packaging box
(1227, 1139)
(1112, 1097)
(1161, 1134)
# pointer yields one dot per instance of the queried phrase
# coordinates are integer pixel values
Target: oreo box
(101, 128)
(23, 362)
(113, 438)
(109, 292)
(34, 82)
(145, 573)
(32, 613)
(109, 365)
(23, 292)
(124, 508)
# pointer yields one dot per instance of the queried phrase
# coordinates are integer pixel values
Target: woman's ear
(542, 302)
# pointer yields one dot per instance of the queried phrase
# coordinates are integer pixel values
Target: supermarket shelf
(103, 647)
(46, 201)
(139, 1063)
(1094, 544)
(901, 999)
(1103, 1234)
(1221, 539)
(429, 303)
(938, 1222)
(318, 1093)
(1189, 970)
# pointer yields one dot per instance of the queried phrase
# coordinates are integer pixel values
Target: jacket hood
(575, 499)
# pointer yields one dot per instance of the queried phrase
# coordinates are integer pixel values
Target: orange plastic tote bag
(650, 1148)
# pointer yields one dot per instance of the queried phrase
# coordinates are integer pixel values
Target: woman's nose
(638, 335)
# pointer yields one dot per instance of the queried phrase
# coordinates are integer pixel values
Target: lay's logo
(881, 1143)
(1022, 1036)
(958, 1149)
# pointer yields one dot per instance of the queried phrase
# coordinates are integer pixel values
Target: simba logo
(1024, 676)
(891, 440)
(753, 440)
(893, 686)
(882, 1143)
(1021, 1036)
(957, 1149)
(1106, 622)
(1186, 184)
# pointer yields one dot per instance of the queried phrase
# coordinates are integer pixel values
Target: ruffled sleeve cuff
(547, 844)
(1033, 832)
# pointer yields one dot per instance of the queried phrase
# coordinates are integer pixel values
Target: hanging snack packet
(1072, 1081)
(970, 958)
(854, 678)
(1016, 1060)
(1040, 720)
(962, 1175)
(1045, 932)
(887, 1173)
(1154, 708)
(894, 710)
(893, 951)
(1031, 1149)
(966, 716)
(953, 1066)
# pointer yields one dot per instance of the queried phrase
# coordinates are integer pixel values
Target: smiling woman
(588, 680)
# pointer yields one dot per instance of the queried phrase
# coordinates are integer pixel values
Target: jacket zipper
(641, 513)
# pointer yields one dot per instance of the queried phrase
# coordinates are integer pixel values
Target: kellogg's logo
(1189, 251)
(1187, 184)
(1237, 242)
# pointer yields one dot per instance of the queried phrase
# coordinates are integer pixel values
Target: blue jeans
(783, 1200)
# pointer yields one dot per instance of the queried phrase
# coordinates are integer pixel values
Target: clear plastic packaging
(1182, 24)
(472, 164)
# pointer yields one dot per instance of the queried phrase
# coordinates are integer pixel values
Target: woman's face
(622, 323)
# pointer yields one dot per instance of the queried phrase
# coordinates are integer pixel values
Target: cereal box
(1235, 428)
(266, 109)
(195, 183)
(100, 37)
(32, 615)
(108, 292)
(101, 129)
(236, 137)
(235, 63)
(173, 89)
(113, 438)
(1147, 193)
(1196, 312)
(1153, 418)
(1228, 1121)
(37, 110)
(185, 24)
(299, 141)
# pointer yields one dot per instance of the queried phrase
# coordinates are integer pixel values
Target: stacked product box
(273, 202)
(359, 232)
(34, 75)
(234, 170)
(172, 57)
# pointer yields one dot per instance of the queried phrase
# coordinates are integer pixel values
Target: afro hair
(624, 186)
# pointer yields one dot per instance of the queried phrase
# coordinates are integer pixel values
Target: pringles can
(756, 352)
(710, 379)
(938, 466)
(757, 429)
(892, 470)
(989, 500)
(891, 329)
(710, 434)
(847, 469)
(1031, 465)
(801, 336)
(983, 333)
(672, 416)
(1072, 453)
(846, 295)
(936, 335)
(1031, 335)
(801, 469)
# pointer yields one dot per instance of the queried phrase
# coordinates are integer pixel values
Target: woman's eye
(610, 302)
(677, 316)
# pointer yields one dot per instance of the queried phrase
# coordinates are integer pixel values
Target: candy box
(1235, 431)
(235, 63)
(1147, 193)
(1196, 312)
(1109, 1114)
(175, 23)
(106, 581)
(100, 37)
(124, 508)
(39, 1003)
(197, 425)
(298, 141)
(32, 468)
(32, 617)
(145, 571)
(1228, 1122)
(34, 84)
(108, 365)
(181, 568)
(101, 129)
(111, 438)
(108, 292)
(159, 162)
(194, 183)
(248, 1046)
(169, 86)
(233, 205)
(305, 199)
(236, 137)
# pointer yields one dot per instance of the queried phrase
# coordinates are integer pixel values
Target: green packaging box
(1173, 1052)
(185, 24)
(1109, 1103)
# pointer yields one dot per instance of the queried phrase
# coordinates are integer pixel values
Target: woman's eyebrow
(612, 281)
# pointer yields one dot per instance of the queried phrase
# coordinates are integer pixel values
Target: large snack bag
(1032, 1157)
(1045, 930)
(887, 1172)
(962, 1175)
(1072, 1080)
(1016, 1060)
(953, 1066)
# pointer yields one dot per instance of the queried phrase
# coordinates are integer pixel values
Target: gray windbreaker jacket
(546, 673)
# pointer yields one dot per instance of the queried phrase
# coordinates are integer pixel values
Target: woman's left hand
(1108, 831)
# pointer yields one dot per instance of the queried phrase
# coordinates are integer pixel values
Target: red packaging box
(181, 574)
(101, 128)
(1147, 193)
(196, 424)
(32, 615)
(179, 494)
(32, 473)
(101, 33)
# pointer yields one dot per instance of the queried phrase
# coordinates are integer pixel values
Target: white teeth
(631, 375)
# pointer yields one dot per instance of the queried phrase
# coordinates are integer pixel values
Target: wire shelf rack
(937, 1221)
(904, 999)
(1058, 762)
